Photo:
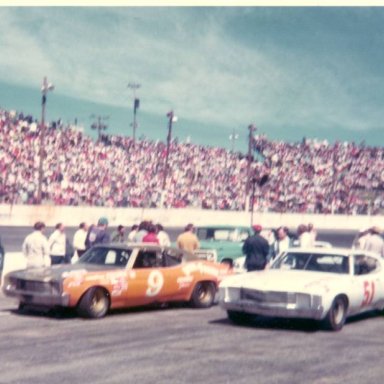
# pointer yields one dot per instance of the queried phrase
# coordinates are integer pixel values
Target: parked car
(117, 276)
(325, 284)
(221, 244)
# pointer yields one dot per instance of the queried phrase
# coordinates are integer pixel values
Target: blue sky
(292, 71)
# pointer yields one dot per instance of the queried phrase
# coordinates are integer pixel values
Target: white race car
(239, 263)
(326, 284)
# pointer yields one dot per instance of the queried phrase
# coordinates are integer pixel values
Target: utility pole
(136, 105)
(44, 90)
(171, 119)
(252, 129)
(99, 124)
(233, 137)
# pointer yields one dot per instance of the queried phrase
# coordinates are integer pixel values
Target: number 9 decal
(155, 283)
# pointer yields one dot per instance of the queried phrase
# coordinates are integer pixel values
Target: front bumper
(310, 308)
(46, 299)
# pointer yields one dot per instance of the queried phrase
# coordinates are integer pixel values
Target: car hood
(55, 272)
(286, 281)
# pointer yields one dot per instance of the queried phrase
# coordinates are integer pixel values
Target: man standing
(57, 244)
(283, 241)
(79, 240)
(375, 242)
(118, 235)
(36, 249)
(188, 240)
(98, 234)
(256, 249)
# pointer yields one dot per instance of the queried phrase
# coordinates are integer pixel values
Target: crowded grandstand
(309, 176)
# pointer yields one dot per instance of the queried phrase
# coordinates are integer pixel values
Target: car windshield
(114, 257)
(221, 234)
(313, 262)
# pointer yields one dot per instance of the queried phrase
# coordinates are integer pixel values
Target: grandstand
(310, 176)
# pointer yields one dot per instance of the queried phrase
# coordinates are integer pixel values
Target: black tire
(336, 316)
(94, 304)
(203, 295)
(21, 307)
(237, 317)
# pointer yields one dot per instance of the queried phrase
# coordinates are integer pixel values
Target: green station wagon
(221, 243)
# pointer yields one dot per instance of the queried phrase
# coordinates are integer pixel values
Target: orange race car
(119, 276)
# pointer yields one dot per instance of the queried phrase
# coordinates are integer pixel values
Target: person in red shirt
(151, 236)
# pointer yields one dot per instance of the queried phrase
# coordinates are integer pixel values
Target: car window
(106, 256)
(148, 259)
(172, 257)
(313, 262)
(364, 265)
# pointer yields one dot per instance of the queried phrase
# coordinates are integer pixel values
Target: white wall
(24, 215)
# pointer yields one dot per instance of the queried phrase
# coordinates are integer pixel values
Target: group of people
(262, 247)
(41, 251)
(309, 176)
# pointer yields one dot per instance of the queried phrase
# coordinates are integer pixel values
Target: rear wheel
(336, 315)
(203, 295)
(94, 304)
(237, 317)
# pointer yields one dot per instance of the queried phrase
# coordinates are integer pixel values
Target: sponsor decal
(184, 281)
(202, 268)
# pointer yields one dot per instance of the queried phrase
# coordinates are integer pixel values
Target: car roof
(188, 256)
(333, 251)
(223, 227)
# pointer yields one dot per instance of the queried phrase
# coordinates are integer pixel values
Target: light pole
(251, 129)
(171, 119)
(233, 137)
(45, 88)
(136, 105)
(99, 125)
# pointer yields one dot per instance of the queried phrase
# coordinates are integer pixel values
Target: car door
(367, 283)
(152, 278)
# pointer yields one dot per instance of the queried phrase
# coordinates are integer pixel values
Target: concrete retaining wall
(24, 215)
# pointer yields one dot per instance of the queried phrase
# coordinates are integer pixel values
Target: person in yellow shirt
(188, 241)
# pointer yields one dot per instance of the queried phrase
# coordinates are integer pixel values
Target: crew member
(188, 240)
(35, 247)
(256, 249)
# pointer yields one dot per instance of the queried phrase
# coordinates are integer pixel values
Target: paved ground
(182, 345)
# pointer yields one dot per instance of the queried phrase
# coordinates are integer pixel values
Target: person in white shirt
(57, 244)
(162, 236)
(79, 241)
(283, 241)
(304, 237)
(132, 233)
(36, 249)
(375, 243)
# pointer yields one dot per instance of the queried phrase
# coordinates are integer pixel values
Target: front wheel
(336, 315)
(203, 295)
(94, 304)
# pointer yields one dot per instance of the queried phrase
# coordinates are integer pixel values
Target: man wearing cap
(256, 250)
(98, 234)
(375, 242)
(188, 240)
(36, 249)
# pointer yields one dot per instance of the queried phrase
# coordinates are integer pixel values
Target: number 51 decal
(369, 293)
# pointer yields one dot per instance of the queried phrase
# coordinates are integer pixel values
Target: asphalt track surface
(183, 345)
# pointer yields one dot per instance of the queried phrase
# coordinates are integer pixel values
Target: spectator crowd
(310, 176)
